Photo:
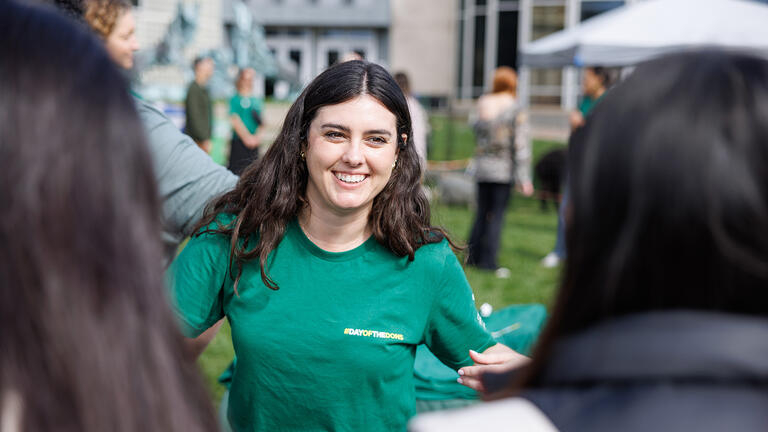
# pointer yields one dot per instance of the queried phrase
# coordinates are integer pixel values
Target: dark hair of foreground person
(88, 341)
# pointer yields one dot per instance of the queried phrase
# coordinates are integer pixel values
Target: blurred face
(591, 83)
(204, 70)
(351, 147)
(122, 43)
(245, 84)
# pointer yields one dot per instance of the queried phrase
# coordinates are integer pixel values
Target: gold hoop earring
(394, 164)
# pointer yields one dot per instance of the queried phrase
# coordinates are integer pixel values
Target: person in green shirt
(594, 83)
(246, 119)
(328, 270)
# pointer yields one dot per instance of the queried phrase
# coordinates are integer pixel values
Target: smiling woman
(334, 217)
(350, 156)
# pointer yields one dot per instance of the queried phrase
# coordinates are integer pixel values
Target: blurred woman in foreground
(660, 321)
(88, 342)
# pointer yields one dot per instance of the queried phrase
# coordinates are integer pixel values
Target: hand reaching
(252, 141)
(498, 358)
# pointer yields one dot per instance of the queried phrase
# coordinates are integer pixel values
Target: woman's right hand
(252, 141)
(576, 119)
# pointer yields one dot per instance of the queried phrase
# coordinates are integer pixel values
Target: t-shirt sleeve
(233, 105)
(196, 281)
(454, 326)
(187, 178)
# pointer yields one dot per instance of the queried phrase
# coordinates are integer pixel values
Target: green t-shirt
(588, 103)
(333, 348)
(242, 106)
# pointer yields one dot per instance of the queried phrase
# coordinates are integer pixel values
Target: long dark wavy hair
(271, 191)
(87, 341)
(669, 198)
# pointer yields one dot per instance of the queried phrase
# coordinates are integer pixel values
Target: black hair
(88, 341)
(200, 59)
(74, 9)
(604, 74)
(271, 191)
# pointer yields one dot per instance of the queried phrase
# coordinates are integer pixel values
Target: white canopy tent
(640, 31)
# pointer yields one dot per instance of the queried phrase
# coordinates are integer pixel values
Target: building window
(478, 63)
(295, 56)
(547, 20)
(593, 8)
(506, 52)
(333, 57)
(546, 86)
(546, 83)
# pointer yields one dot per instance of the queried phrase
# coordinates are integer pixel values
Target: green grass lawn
(527, 236)
(450, 140)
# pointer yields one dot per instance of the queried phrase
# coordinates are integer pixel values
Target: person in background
(351, 55)
(419, 118)
(502, 159)
(113, 22)
(595, 82)
(245, 115)
(326, 265)
(186, 177)
(198, 106)
(661, 316)
(88, 341)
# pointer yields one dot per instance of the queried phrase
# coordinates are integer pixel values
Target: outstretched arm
(187, 178)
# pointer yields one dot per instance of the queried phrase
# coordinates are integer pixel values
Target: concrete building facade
(424, 44)
(307, 36)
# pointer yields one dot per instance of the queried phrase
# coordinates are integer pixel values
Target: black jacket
(668, 371)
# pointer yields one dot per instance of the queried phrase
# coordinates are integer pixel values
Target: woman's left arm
(455, 326)
(498, 358)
